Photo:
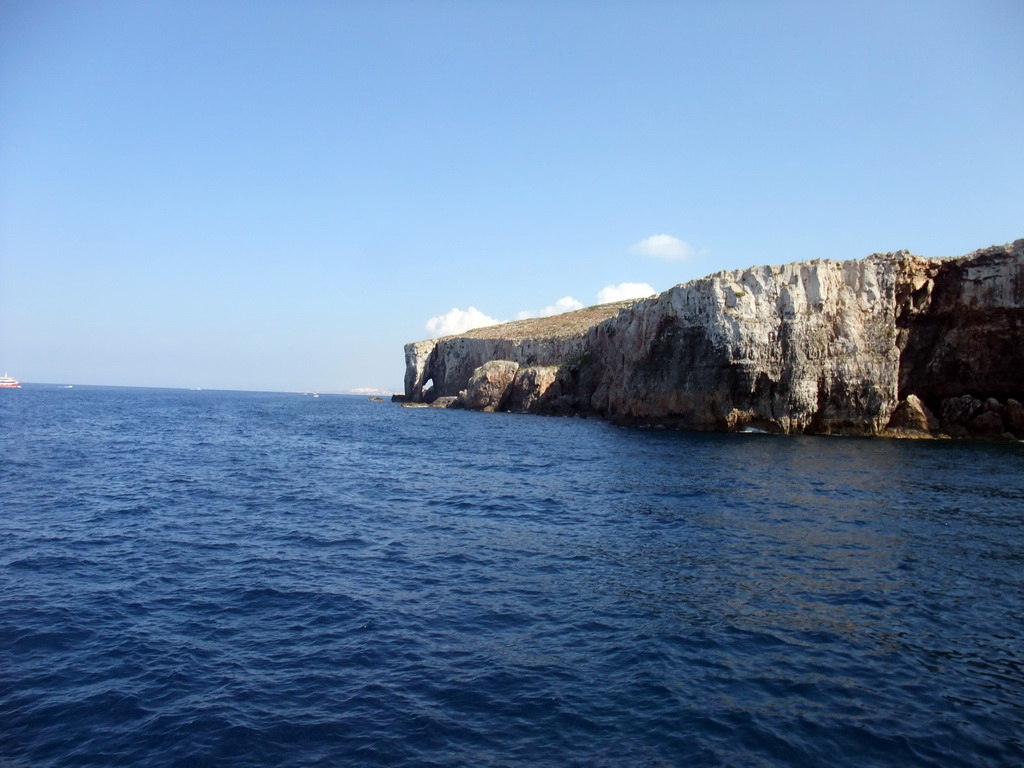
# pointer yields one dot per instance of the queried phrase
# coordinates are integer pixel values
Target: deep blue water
(240, 579)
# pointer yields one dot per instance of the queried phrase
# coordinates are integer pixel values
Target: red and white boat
(8, 382)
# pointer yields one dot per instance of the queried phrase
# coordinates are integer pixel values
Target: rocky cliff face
(960, 326)
(878, 345)
(443, 367)
(804, 346)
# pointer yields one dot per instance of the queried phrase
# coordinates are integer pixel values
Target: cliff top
(562, 326)
(575, 324)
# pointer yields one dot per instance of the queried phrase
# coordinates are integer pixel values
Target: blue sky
(279, 195)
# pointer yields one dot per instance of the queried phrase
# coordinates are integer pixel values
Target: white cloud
(624, 291)
(564, 304)
(665, 247)
(458, 321)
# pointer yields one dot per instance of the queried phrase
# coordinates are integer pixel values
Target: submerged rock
(448, 401)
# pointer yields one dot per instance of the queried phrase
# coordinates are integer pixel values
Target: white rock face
(417, 358)
(449, 362)
(787, 348)
(818, 346)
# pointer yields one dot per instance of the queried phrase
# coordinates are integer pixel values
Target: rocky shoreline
(892, 345)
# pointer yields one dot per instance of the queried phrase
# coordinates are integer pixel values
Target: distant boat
(9, 382)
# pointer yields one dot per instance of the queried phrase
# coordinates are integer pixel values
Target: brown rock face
(912, 415)
(967, 416)
(1014, 417)
(489, 386)
(987, 425)
(961, 325)
(957, 413)
(855, 347)
(532, 388)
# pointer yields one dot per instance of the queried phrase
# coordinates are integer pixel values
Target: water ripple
(244, 580)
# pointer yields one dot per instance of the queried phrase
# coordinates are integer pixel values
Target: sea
(238, 579)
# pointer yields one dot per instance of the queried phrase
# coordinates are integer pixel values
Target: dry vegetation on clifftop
(562, 326)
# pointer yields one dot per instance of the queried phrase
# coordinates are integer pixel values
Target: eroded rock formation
(443, 367)
(890, 344)
(804, 347)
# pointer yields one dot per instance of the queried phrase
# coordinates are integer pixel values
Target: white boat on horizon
(9, 382)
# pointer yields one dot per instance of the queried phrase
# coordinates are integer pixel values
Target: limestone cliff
(872, 346)
(793, 348)
(448, 363)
